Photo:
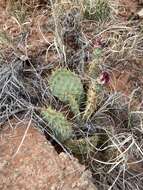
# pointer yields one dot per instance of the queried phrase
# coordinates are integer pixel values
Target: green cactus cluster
(62, 130)
(67, 87)
(97, 10)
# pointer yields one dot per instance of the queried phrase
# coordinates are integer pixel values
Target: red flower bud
(105, 77)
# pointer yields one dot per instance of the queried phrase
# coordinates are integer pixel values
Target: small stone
(140, 13)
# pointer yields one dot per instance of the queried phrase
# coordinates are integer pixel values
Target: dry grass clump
(97, 10)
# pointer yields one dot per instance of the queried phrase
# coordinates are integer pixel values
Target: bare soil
(36, 165)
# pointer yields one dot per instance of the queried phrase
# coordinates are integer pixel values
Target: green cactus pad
(61, 128)
(94, 97)
(83, 145)
(67, 86)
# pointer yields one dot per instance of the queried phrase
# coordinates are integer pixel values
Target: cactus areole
(67, 87)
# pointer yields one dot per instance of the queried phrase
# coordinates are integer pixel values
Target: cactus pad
(60, 127)
(94, 93)
(67, 86)
(83, 145)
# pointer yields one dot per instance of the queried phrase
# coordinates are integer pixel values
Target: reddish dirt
(33, 36)
(128, 80)
(128, 7)
(37, 165)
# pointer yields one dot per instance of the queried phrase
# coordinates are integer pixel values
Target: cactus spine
(60, 127)
(93, 99)
(94, 89)
(67, 87)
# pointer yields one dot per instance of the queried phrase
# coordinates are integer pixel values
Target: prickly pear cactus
(93, 99)
(94, 93)
(67, 86)
(82, 146)
(61, 128)
(93, 69)
(98, 10)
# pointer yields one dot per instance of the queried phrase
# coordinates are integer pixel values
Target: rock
(140, 13)
(31, 163)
